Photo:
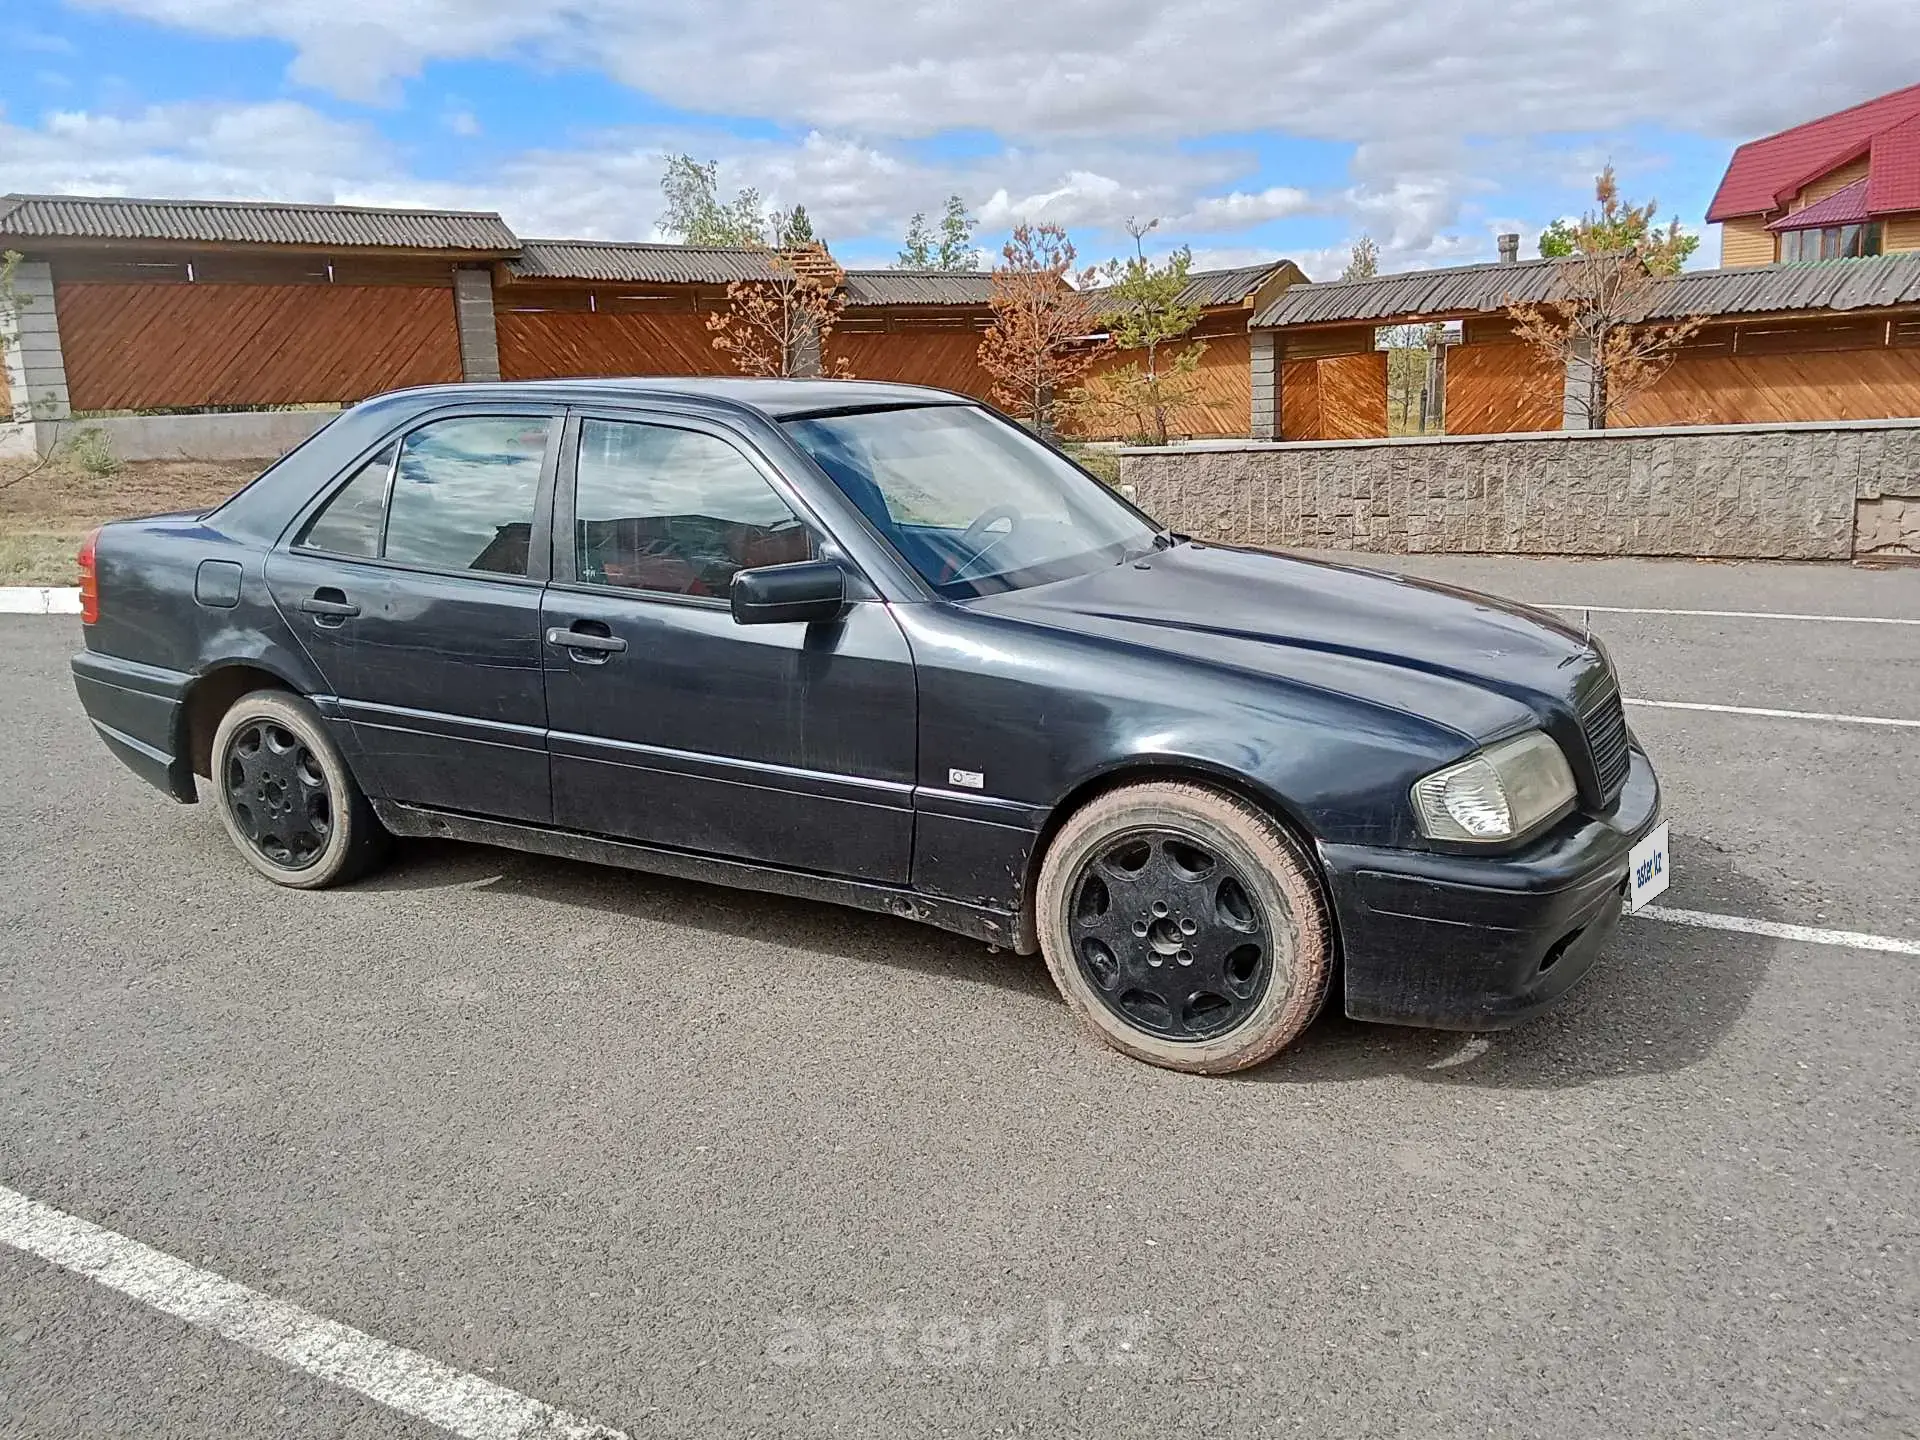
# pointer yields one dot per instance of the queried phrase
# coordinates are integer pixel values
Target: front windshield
(972, 503)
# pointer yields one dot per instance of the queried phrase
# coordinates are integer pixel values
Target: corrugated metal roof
(918, 287)
(633, 262)
(1875, 281)
(1228, 287)
(1211, 288)
(250, 222)
(1456, 290)
(1487, 289)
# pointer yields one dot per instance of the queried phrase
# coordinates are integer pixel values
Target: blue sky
(1249, 131)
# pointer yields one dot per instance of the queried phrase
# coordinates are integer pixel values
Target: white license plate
(1649, 868)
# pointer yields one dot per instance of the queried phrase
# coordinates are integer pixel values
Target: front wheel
(1185, 927)
(290, 805)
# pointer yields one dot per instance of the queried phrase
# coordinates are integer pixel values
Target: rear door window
(463, 494)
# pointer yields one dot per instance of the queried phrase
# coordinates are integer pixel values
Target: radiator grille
(1604, 720)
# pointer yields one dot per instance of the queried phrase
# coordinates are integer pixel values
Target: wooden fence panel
(1722, 389)
(559, 344)
(1343, 397)
(947, 358)
(1500, 390)
(1222, 402)
(133, 347)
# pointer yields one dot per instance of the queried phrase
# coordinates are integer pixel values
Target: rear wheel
(290, 805)
(1185, 927)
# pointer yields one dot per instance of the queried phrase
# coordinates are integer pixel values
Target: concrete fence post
(473, 313)
(36, 367)
(1576, 394)
(1264, 422)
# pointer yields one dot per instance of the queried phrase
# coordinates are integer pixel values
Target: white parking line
(1727, 614)
(400, 1379)
(1811, 935)
(1776, 714)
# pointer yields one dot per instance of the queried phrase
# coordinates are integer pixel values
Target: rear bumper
(1470, 942)
(136, 709)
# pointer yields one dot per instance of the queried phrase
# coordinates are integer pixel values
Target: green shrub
(92, 450)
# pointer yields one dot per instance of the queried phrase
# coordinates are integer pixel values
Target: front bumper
(1479, 942)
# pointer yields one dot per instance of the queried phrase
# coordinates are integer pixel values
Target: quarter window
(463, 494)
(350, 523)
(674, 511)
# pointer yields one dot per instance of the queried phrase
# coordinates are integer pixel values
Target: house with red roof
(1844, 185)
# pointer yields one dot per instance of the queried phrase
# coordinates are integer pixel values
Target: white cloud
(1239, 209)
(1095, 101)
(278, 150)
(1337, 69)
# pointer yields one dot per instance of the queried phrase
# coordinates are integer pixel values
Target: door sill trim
(978, 922)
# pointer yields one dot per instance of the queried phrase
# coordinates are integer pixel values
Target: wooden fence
(133, 346)
(1333, 384)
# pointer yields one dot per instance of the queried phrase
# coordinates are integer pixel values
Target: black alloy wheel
(1167, 933)
(278, 794)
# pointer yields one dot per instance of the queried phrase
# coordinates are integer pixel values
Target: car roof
(775, 399)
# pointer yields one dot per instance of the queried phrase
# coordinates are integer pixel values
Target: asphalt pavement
(693, 1162)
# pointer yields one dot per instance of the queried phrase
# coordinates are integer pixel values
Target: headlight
(1504, 791)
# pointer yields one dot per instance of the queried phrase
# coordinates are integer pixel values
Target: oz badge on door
(1648, 868)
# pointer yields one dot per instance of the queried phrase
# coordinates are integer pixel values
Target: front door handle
(330, 605)
(586, 640)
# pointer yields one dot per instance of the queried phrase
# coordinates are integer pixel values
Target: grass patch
(40, 559)
(45, 513)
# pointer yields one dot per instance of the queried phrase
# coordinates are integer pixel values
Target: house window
(1835, 242)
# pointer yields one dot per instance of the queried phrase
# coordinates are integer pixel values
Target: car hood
(1472, 663)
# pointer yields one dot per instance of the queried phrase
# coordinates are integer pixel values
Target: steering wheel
(973, 538)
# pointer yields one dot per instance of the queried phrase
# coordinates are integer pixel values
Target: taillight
(89, 580)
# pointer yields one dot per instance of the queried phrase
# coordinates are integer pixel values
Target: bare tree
(1595, 328)
(780, 325)
(1043, 335)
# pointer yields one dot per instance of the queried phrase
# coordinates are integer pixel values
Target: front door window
(674, 511)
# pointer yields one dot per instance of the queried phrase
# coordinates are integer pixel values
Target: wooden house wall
(1745, 240)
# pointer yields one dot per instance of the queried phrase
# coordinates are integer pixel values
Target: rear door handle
(586, 640)
(330, 604)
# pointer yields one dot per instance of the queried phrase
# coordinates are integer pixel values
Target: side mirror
(789, 594)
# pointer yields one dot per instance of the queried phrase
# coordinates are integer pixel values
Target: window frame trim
(563, 562)
(539, 540)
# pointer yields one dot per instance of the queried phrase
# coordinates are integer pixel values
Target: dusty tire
(1162, 972)
(286, 797)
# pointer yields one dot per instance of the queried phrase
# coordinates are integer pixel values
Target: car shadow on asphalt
(1660, 998)
(818, 927)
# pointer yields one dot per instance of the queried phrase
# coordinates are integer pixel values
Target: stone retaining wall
(1824, 491)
